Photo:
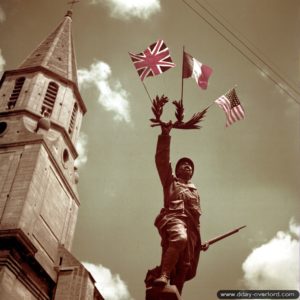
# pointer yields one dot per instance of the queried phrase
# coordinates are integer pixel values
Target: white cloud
(2, 62)
(275, 264)
(81, 147)
(2, 15)
(111, 96)
(126, 9)
(110, 285)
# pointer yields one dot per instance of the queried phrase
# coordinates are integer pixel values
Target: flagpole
(181, 99)
(209, 106)
(144, 86)
(147, 92)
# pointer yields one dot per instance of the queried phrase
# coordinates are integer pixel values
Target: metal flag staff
(71, 3)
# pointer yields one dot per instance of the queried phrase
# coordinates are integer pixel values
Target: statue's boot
(169, 261)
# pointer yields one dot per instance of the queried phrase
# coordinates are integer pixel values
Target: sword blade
(223, 236)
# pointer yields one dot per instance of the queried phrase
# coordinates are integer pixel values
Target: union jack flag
(153, 61)
(232, 107)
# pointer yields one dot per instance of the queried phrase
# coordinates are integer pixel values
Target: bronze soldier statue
(178, 221)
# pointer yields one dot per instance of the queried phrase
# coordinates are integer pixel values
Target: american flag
(231, 106)
(153, 61)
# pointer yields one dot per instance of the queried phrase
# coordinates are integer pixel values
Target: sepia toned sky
(246, 174)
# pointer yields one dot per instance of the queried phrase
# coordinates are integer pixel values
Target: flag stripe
(205, 74)
(194, 68)
(188, 65)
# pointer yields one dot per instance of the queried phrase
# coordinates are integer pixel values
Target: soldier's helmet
(181, 160)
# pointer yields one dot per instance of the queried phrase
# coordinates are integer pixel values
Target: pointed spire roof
(56, 53)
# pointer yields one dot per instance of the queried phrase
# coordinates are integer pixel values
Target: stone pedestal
(168, 292)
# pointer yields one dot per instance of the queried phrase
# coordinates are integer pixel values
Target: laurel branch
(157, 108)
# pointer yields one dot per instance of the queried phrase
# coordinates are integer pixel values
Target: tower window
(49, 100)
(16, 92)
(3, 126)
(65, 156)
(73, 118)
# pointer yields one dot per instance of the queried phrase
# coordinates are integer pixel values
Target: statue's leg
(169, 261)
(177, 241)
(179, 279)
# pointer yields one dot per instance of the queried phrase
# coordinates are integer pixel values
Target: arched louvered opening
(73, 118)
(49, 100)
(16, 92)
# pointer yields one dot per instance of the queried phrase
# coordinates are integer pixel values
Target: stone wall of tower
(38, 191)
(21, 276)
(12, 288)
(32, 95)
(74, 281)
(35, 199)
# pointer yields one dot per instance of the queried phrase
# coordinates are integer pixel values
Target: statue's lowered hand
(204, 247)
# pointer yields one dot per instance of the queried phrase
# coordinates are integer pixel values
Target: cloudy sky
(247, 174)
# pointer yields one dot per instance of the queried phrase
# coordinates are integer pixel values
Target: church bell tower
(41, 112)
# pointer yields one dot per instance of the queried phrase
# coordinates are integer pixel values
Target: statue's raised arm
(162, 155)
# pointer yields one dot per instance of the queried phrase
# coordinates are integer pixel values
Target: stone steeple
(45, 84)
(56, 52)
(41, 112)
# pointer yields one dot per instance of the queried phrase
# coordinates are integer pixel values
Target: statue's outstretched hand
(166, 128)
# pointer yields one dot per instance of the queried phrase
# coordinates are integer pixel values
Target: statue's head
(184, 168)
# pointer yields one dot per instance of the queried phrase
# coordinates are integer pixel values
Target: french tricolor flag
(194, 68)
